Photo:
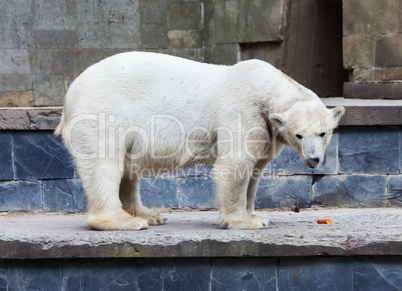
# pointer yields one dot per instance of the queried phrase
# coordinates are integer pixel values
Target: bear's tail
(60, 127)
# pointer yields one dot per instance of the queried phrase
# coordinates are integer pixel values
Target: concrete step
(374, 231)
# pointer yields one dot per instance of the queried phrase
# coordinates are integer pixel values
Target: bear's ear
(337, 113)
(278, 120)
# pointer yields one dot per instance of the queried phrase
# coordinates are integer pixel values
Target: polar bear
(139, 110)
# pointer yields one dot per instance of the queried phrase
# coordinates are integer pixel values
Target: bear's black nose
(313, 162)
(316, 160)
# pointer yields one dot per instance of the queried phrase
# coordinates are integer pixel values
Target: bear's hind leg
(131, 200)
(101, 180)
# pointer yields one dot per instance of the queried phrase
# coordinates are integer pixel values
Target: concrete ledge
(362, 112)
(197, 234)
(29, 118)
(359, 112)
(373, 90)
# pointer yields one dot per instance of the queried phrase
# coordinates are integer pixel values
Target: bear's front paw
(246, 222)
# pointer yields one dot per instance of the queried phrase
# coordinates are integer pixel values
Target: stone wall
(46, 44)
(371, 48)
(329, 273)
(362, 169)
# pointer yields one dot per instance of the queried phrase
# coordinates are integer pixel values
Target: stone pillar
(372, 48)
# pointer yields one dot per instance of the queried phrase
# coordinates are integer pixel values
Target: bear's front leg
(232, 180)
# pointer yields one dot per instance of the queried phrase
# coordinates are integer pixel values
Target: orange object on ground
(324, 221)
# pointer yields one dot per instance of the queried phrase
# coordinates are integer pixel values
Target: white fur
(152, 111)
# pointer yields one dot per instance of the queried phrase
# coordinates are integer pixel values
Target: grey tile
(355, 190)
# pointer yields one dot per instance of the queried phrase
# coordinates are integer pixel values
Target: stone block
(64, 39)
(395, 190)
(74, 62)
(390, 74)
(315, 274)
(185, 39)
(195, 54)
(16, 99)
(6, 160)
(108, 24)
(360, 112)
(40, 155)
(244, 274)
(16, 24)
(242, 21)
(370, 17)
(369, 150)
(15, 82)
(44, 119)
(31, 275)
(223, 54)
(57, 14)
(388, 53)
(377, 273)
(184, 15)
(366, 75)
(358, 51)
(154, 36)
(283, 192)
(196, 193)
(32, 118)
(69, 63)
(252, 22)
(179, 274)
(63, 196)
(3, 276)
(48, 61)
(14, 61)
(214, 23)
(100, 275)
(49, 90)
(20, 195)
(153, 11)
(355, 190)
(158, 192)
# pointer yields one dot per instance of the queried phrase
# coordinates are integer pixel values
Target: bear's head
(307, 127)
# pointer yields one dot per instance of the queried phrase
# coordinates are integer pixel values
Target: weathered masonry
(348, 52)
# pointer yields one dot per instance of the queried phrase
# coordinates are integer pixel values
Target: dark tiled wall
(362, 168)
(301, 273)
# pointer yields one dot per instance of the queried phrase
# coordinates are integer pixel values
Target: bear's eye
(322, 134)
(298, 136)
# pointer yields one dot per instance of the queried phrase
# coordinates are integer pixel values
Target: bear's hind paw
(121, 221)
(155, 218)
